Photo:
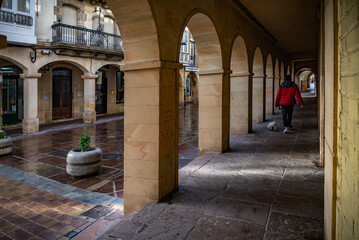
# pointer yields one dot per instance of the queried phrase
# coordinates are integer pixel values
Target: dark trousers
(287, 112)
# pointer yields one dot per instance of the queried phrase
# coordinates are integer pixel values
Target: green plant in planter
(84, 142)
(2, 132)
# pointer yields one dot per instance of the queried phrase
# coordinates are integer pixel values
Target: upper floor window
(109, 25)
(184, 43)
(6, 4)
(23, 6)
(69, 15)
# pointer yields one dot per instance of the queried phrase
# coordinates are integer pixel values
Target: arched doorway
(61, 93)
(12, 94)
(239, 102)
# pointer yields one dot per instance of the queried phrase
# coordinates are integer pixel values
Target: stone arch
(239, 112)
(276, 77)
(297, 80)
(212, 136)
(258, 87)
(269, 86)
(43, 62)
(207, 41)
(16, 62)
(138, 30)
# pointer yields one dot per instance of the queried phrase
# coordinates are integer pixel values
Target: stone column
(151, 132)
(276, 86)
(30, 123)
(269, 95)
(89, 115)
(239, 103)
(214, 104)
(258, 98)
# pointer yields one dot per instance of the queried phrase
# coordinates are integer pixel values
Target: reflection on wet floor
(188, 134)
(45, 154)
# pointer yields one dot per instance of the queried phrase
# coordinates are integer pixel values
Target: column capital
(89, 76)
(241, 74)
(30, 75)
(151, 65)
(215, 71)
(259, 76)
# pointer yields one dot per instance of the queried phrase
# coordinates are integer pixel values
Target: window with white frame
(23, 6)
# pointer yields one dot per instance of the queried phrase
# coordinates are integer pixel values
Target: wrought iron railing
(78, 36)
(10, 17)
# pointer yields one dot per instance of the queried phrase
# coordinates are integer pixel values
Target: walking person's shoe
(286, 129)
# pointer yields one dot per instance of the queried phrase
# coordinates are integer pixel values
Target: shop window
(120, 87)
(23, 6)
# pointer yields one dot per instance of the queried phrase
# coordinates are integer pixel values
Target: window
(69, 15)
(109, 25)
(184, 42)
(120, 87)
(23, 6)
(7, 4)
(192, 53)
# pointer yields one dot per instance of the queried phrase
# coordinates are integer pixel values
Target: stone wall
(347, 208)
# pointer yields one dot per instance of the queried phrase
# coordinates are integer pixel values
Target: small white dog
(272, 126)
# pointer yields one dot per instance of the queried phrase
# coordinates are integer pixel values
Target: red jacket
(286, 92)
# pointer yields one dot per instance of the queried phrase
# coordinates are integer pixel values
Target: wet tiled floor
(60, 206)
(27, 212)
(44, 153)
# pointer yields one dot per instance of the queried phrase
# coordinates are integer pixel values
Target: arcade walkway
(266, 187)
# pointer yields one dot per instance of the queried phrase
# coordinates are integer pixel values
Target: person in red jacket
(287, 92)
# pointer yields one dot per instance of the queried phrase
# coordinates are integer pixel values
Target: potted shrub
(5, 142)
(85, 160)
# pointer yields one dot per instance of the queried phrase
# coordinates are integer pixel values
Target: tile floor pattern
(268, 186)
(44, 153)
(28, 213)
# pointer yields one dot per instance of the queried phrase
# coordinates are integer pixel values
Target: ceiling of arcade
(294, 24)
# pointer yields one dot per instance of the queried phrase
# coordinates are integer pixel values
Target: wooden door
(61, 97)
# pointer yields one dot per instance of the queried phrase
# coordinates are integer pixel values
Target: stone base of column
(30, 125)
(89, 116)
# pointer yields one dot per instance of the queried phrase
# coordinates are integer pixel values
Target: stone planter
(5, 146)
(82, 164)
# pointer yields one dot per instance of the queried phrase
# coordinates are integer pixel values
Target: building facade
(62, 62)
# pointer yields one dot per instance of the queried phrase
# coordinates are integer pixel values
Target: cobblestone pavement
(268, 186)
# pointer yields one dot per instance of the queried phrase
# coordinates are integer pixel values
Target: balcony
(20, 19)
(71, 36)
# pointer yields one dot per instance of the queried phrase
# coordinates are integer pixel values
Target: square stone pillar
(240, 121)
(151, 132)
(89, 115)
(258, 98)
(276, 87)
(269, 95)
(214, 111)
(30, 123)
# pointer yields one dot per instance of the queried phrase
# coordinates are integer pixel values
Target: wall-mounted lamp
(33, 56)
